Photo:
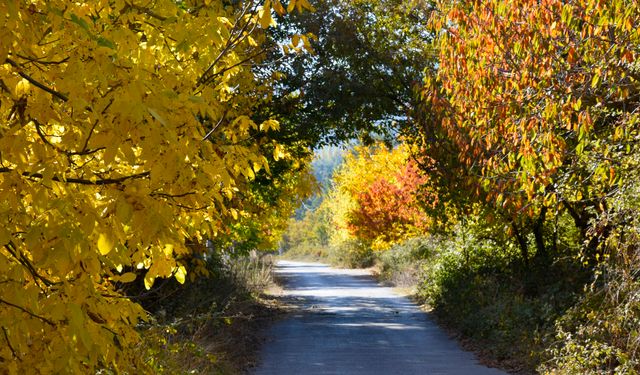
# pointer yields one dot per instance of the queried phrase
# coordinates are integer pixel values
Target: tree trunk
(522, 241)
(538, 233)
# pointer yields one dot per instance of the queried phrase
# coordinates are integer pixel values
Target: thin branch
(81, 181)
(36, 83)
(28, 312)
(148, 12)
(11, 248)
(165, 195)
(38, 61)
(251, 57)
(60, 150)
(86, 141)
(214, 128)
(6, 337)
(231, 42)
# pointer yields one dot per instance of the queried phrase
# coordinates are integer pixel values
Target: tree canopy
(128, 132)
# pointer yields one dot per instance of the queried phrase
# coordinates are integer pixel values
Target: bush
(401, 264)
(351, 253)
(483, 291)
(203, 326)
(601, 333)
(253, 273)
(307, 251)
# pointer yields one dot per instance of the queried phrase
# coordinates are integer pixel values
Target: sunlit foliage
(126, 132)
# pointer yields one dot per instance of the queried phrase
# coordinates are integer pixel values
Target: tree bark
(538, 233)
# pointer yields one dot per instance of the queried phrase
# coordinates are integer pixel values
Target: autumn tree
(375, 197)
(533, 106)
(127, 128)
(388, 210)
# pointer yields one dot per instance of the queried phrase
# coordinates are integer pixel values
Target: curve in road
(348, 324)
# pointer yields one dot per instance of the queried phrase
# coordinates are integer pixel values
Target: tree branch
(36, 83)
(17, 254)
(49, 322)
(60, 150)
(82, 181)
(38, 61)
(6, 337)
(214, 128)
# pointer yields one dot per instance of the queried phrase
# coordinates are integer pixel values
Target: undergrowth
(208, 326)
(497, 305)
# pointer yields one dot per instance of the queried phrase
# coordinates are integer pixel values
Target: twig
(36, 83)
(28, 312)
(6, 337)
(81, 181)
(214, 128)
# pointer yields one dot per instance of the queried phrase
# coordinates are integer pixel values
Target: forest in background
(147, 148)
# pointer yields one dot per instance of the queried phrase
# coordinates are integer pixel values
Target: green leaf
(104, 42)
(79, 21)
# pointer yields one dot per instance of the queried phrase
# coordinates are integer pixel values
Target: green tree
(368, 56)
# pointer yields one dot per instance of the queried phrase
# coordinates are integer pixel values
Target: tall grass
(208, 326)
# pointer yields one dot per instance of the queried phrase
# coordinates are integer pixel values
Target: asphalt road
(346, 323)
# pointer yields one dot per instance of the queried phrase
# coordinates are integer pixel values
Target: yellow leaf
(22, 87)
(157, 116)
(180, 274)
(168, 249)
(127, 277)
(277, 6)
(291, 6)
(265, 18)
(304, 4)
(105, 244)
(148, 281)
(250, 173)
(279, 152)
(5, 236)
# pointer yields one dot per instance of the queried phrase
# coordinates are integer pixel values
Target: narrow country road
(349, 324)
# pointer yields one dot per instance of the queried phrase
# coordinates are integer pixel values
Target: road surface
(346, 323)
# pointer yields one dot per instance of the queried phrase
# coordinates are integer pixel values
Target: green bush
(484, 292)
(401, 264)
(601, 333)
(352, 253)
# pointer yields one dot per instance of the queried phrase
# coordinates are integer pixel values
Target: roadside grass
(307, 253)
(212, 325)
(485, 298)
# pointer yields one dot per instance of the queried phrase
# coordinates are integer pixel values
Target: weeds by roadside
(212, 325)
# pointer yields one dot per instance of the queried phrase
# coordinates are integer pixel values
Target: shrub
(601, 333)
(482, 291)
(401, 264)
(351, 253)
(202, 326)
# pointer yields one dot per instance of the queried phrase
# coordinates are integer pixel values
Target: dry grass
(221, 339)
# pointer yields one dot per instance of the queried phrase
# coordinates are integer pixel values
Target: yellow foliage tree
(121, 136)
(361, 169)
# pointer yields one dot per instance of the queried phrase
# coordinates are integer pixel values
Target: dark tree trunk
(522, 241)
(538, 233)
